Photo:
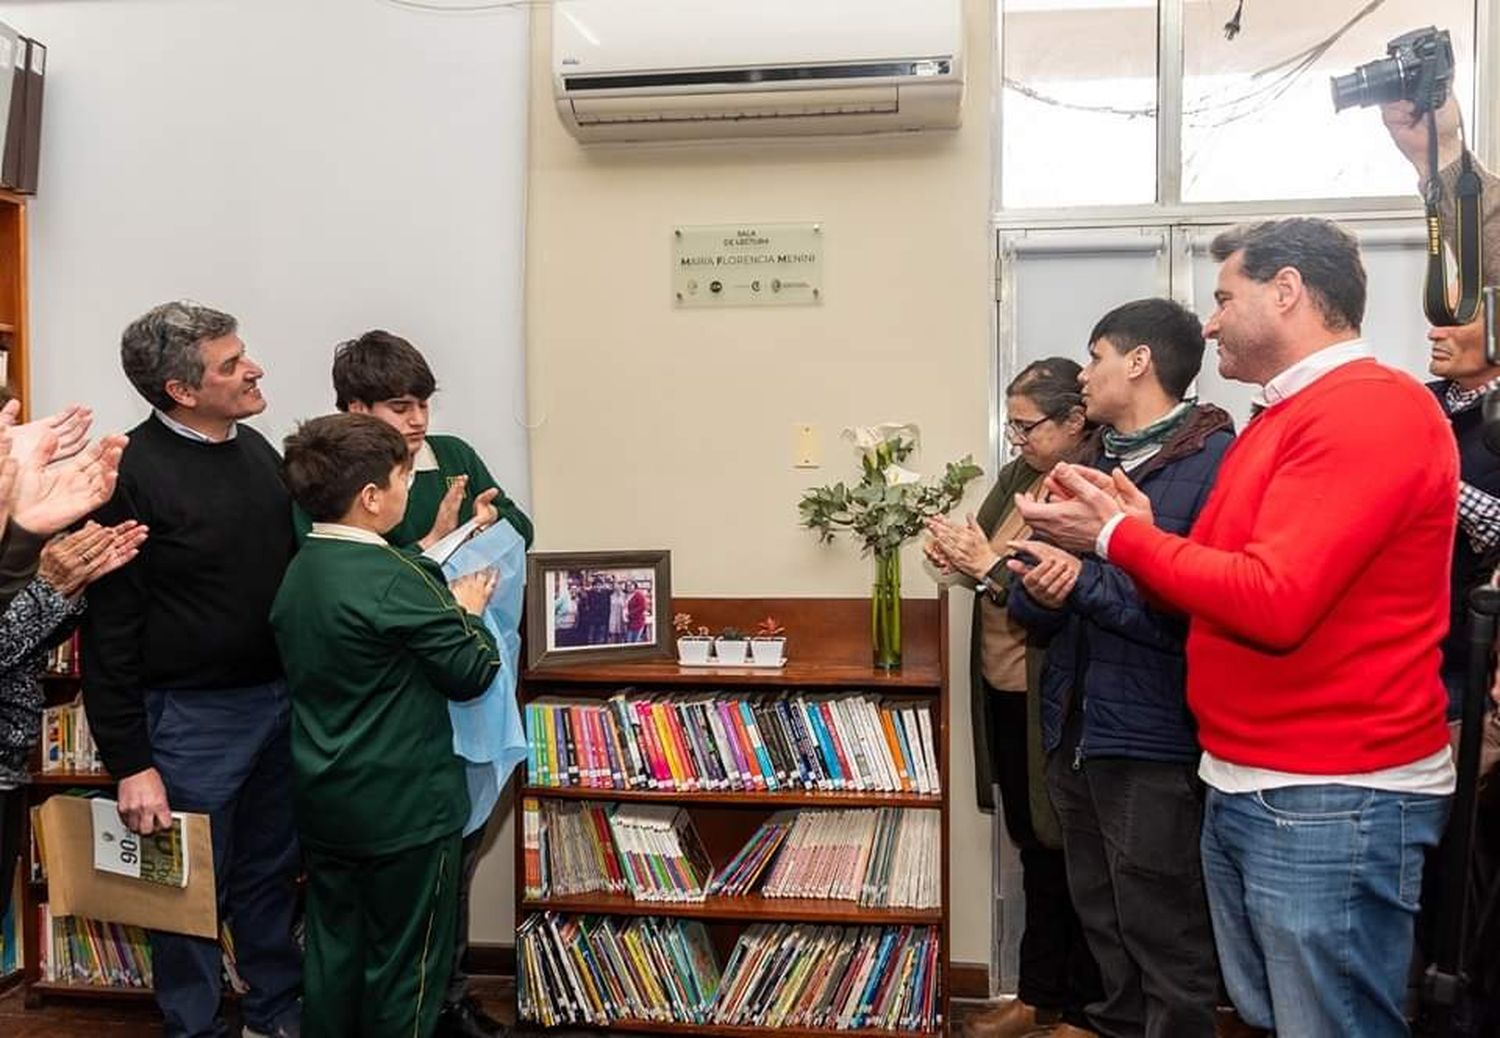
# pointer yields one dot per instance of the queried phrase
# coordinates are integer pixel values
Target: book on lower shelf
(604, 970)
(62, 658)
(67, 743)
(87, 952)
(876, 857)
(11, 953)
(753, 743)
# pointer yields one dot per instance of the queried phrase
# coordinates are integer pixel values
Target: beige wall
(659, 427)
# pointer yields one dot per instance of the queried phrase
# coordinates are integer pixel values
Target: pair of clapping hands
(1077, 501)
(51, 476)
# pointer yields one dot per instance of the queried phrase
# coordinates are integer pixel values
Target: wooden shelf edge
(59, 989)
(740, 798)
(72, 778)
(751, 908)
(9, 981)
(921, 677)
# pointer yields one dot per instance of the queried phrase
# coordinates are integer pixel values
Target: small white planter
(768, 652)
(730, 652)
(693, 649)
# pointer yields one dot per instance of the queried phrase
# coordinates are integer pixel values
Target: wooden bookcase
(828, 650)
(57, 689)
(14, 337)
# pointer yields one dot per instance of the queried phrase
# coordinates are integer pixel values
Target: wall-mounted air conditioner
(632, 70)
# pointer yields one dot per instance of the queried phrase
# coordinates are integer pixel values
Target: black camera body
(1419, 69)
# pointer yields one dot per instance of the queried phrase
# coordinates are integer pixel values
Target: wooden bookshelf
(14, 322)
(828, 650)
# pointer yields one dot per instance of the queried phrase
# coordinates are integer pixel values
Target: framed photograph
(597, 605)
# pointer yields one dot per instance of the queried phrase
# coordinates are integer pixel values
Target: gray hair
(161, 346)
(1325, 254)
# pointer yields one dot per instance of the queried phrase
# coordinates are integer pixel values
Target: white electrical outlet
(806, 451)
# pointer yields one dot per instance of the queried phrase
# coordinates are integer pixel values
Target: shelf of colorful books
(723, 1031)
(739, 798)
(915, 677)
(748, 908)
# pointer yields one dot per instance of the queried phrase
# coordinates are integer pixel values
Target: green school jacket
(374, 645)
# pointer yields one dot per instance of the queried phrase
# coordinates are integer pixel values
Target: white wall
(317, 169)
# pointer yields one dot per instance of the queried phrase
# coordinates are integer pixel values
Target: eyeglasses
(1019, 432)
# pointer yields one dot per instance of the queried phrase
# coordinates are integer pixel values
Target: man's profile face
(1457, 352)
(407, 414)
(230, 387)
(1239, 323)
(1105, 381)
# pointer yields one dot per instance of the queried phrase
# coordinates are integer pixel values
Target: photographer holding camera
(1464, 374)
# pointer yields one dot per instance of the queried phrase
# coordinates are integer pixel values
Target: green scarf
(1123, 445)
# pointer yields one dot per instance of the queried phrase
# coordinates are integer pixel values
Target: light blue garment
(487, 732)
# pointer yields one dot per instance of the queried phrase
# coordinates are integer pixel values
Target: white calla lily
(868, 438)
(896, 476)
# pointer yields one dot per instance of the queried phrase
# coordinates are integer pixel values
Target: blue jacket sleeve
(1109, 598)
(1030, 614)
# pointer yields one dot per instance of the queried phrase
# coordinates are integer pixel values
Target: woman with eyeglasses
(1045, 424)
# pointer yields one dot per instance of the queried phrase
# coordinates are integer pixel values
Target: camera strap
(1467, 238)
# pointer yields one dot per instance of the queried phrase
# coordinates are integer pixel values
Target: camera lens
(1377, 83)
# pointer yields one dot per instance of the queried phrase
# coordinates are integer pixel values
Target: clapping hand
(1051, 579)
(446, 520)
(486, 514)
(1080, 500)
(50, 496)
(70, 562)
(70, 426)
(960, 547)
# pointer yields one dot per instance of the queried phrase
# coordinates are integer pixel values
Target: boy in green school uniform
(374, 643)
(385, 376)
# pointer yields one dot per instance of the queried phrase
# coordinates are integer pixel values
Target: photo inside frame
(590, 608)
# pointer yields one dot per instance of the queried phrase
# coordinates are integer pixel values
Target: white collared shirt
(340, 532)
(187, 432)
(425, 460)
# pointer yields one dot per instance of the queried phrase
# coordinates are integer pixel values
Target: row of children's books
(598, 970)
(85, 951)
(878, 857)
(715, 741)
(67, 743)
(603, 970)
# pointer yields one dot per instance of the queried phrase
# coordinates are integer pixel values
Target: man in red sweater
(1316, 580)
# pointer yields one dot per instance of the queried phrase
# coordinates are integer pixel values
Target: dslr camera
(1419, 69)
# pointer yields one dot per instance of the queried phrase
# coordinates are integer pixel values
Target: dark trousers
(12, 814)
(227, 753)
(1058, 972)
(379, 941)
(1131, 831)
(468, 862)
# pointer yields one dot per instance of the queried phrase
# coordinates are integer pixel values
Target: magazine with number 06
(161, 857)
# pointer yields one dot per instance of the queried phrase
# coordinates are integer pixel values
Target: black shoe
(465, 1019)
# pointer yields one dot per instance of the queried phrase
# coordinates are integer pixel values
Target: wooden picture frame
(598, 605)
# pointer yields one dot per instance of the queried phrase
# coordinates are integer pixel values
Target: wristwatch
(991, 581)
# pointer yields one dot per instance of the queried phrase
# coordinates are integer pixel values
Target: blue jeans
(227, 753)
(1313, 892)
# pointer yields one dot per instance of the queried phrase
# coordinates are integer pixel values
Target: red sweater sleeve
(1348, 476)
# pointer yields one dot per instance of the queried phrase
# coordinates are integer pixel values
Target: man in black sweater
(183, 686)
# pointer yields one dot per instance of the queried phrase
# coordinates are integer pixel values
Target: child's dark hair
(329, 460)
(1171, 330)
(379, 366)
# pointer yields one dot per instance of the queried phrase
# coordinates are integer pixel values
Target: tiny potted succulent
(693, 642)
(768, 643)
(730, 646)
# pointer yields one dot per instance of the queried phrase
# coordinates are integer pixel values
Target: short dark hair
(1051, 383)
(1173, 332)
(329, 460)
(1325, 254)
(379, 366)
(161, 346)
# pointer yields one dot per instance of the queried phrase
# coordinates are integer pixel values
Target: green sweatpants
(379, 941)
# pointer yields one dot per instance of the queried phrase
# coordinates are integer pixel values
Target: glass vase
(885, 611)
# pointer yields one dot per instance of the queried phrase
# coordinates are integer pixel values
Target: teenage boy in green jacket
(384, 375)
(374, 643)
